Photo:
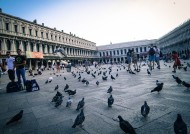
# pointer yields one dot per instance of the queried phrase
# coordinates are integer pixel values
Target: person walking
(177, 62)
(20, 62)
(134, 59)
(10, 66)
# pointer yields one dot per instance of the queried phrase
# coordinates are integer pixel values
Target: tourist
(177, 62)
(10, 66)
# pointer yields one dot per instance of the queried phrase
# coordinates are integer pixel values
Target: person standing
(20, 62)
(177, 62)
(134, 59)
(151, 53)
(129, 59)
(157, 57)
(10, 66)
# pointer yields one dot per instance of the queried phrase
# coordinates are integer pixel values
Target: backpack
(32, 85)
(13, 87)
(151, 51)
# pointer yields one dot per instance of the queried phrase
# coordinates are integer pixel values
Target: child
(177, 62)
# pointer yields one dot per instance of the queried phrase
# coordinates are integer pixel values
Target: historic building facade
(32, 37)
(118, 52)
(178, 39)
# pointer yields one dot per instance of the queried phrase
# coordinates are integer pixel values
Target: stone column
(13, 49)
(46, 51)
(50, 49)
(34, 47)
(30, 64)
(41, 48)
(21, 45)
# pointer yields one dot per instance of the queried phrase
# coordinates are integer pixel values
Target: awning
(64, 62)
(35, 55)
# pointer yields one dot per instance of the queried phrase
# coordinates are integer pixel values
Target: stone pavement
(129, 91)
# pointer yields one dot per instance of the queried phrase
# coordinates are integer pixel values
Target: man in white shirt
(10, 66)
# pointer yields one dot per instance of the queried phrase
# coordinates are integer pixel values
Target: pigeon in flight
(15, 118)
(179, 125)
(145, 109)
(126, 126)
(79, 120)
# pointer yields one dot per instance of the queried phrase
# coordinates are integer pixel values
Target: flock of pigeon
(180, 126)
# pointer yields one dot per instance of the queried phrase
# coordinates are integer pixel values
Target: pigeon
(70, 92)
(46, 81)
(95, 72)
(117, 75)
(174, 76)
(97, 83)
(110, 89)
(80, 104)
(87, 82)
(88, 72)
(69, 102)
(50, 79)
(110, 101)
(83, 80)
(148, 72)
(56, 87)
(178, 80)
(59, 101)
(79, 120)
(186, 84)
(158, 88)
(65, 78)
(179, 125)
(126, 126)
(145, 109)
(104, 77)
(93, 76)
(15, 118)
(112, 77)
(55, 98)
(66, 87)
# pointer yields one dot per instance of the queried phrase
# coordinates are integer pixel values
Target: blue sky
(104, 21)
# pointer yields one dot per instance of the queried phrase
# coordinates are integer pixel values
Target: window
(140, 49)
(110, 53)
(36, 33)
(100, 54)
(23, 30)
(117, 52)
(137, 50)
(16, 28)
(7, 26)
(121, 51)
(125, 51)
(30, 31)
(42, 34)
(113, 52)
(144, 49)
(51, 36)
(55, 38)
(47, 35)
